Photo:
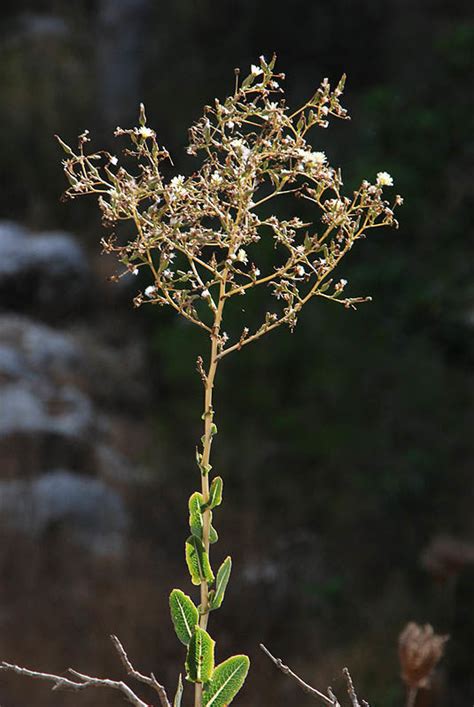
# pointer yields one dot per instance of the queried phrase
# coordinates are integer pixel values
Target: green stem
(206, 455)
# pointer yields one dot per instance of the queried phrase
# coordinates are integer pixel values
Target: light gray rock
(46, 274)
(64, 412)
(69, 398)
(91, 513)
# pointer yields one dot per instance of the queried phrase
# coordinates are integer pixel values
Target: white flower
(242, 256)
(300, 271)
(167, 274)
(146, 132)
(256, 272)
(205, 294)
(216, 179)
(343, 282)
(230, 124)
(318, 157)
(113, 160)
(300, 249)
(255, 70)
(150, 290)
(176, 186)
(241, 149)
(177, 181)
(135, 271)
(312, 159)
(384, 179)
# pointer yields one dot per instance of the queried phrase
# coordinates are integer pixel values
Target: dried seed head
(420, 649)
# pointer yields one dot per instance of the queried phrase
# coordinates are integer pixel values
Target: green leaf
(248, 81)
(213, 536)
(325, 286)
(197, 560)
(200, 657)
(215, 492)
(196, 520)
(222, 581)
(184, 615)
(65, 147)
(142, 118)
(227, 679)
(341, 84)
(179, 693)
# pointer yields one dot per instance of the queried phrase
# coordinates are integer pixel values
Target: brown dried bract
(420, 650)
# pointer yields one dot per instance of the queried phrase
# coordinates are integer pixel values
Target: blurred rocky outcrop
(45, 275)
(68, 391)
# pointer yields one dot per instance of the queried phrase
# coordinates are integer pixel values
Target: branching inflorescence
(199, 239)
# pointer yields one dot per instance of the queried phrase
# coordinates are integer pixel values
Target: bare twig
(84, 681)
(350, 688)
(151, 681)
(331, 700)
(333, 697)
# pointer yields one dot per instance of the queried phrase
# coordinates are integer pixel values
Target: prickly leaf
(179, 693)
(215, 492)
(213, 536)
(196, 520)
(222, 580)
(184, 615)
(197, 560)
(200, 657)
(226, 681)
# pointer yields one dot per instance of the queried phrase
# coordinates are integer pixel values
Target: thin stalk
(206, 455)
(411, 696)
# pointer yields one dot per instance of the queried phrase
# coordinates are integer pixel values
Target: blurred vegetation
(348, 443)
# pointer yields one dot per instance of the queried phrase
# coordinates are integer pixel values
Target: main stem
(206, 455)
(411, 696)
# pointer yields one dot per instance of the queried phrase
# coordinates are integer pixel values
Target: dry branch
(85, 681)
(332, 699)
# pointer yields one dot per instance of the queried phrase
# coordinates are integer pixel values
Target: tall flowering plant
(198, 240)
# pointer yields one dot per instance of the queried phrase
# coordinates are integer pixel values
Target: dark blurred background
(347, 447)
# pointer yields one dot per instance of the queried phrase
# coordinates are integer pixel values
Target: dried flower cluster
(420, 650)
(199, 235)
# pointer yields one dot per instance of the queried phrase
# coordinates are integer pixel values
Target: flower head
(146, 132)
(242, 256)
(150, 290)
(384, 179)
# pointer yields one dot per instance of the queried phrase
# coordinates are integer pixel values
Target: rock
(45, 418)
(92, 514)
(46, 274)
(71, 401)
